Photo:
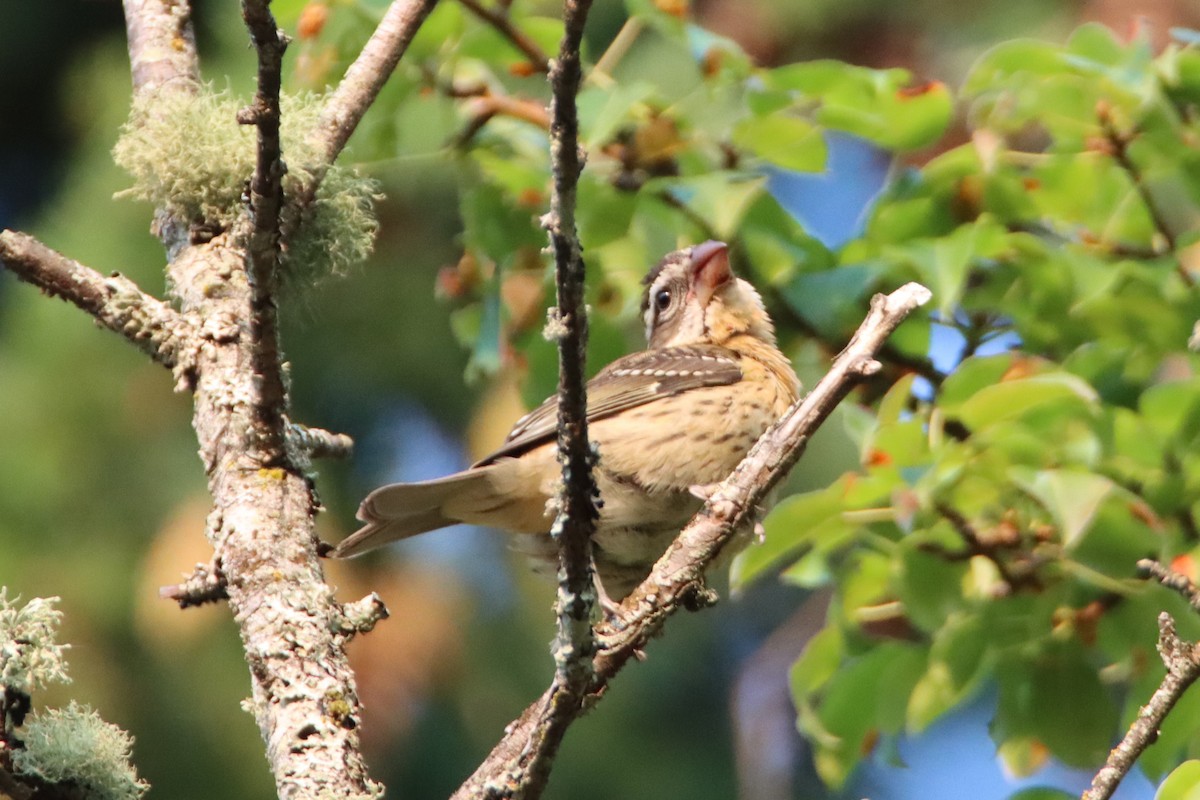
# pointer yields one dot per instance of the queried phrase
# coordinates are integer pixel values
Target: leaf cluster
(1034, 434)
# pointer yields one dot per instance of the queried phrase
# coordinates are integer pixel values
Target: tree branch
(162, 45)
(1118, 148)
(503, 25)
(345, 107)
(305, 442)
(115, 301)
(262, 522)
(263, 239)
(575, 644)
(1182, 660)
(677, 580)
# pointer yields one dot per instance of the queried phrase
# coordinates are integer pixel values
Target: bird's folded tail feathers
(400, 510)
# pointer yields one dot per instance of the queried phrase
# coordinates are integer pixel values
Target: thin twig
(482, 108)
(1173, 580)
(976, 547)
(677, 580)
(262, 245)
(515, 35)
(115, 301)
(1118, 146)
(206, 584)
(1182, 660)
(308, 442)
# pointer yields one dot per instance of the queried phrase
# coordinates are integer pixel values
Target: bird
(669, 423)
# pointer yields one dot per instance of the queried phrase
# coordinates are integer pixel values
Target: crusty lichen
(74, 746)
(189, 156)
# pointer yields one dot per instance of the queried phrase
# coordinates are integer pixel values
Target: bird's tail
(400, 510)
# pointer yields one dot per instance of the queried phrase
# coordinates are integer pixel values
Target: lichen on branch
(189, 157)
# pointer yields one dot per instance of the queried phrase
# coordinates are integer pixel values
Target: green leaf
(788, 142)
(794, 525)
(1013, 398)
(1072, 497)
(1182, 784)
(721, 198)
(930, 587)
(957, 665)
(864, 698)
(818, 662)
(829, 299)
(878, 105)
(1056, 699)
(604, 110)
(1041, 793)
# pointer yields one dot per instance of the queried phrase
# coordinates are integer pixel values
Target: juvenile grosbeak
(668, 422)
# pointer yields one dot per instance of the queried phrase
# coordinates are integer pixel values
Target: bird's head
(692, 297)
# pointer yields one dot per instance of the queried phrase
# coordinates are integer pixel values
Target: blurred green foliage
(978, 509)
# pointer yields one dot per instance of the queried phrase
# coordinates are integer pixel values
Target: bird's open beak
(710, 269)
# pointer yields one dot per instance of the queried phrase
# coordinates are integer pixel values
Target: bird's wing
(634, 380)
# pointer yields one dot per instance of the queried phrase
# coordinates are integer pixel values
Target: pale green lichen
(189, 156)
(74, 746)
(29, 656)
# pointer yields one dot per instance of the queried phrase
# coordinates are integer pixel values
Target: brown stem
(503, 25)
(1182, 660)
(263, 239)
(115, 301)
(361, 85)
(1118, 145)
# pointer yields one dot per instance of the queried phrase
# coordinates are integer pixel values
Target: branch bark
(361, 85)
(677, 580)
(115, 301)
(263, 238)
(162, 45)
(1182, 660)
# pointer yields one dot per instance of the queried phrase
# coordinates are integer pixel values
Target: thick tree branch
(262, 522)
(503, 25)
(115, 301)
(677, 580)
(262, 531)
(162, 45)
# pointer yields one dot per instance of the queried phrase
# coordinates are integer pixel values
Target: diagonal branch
(1182, 660)
(115, 301)
(677, 580)
(504, 26)
(345, 107)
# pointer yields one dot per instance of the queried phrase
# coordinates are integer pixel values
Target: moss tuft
(29, 656)
(190, 157)
(74, 746)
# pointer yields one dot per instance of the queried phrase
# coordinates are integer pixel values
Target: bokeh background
(102, 499)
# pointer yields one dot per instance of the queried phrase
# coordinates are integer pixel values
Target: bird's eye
(662, 299)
